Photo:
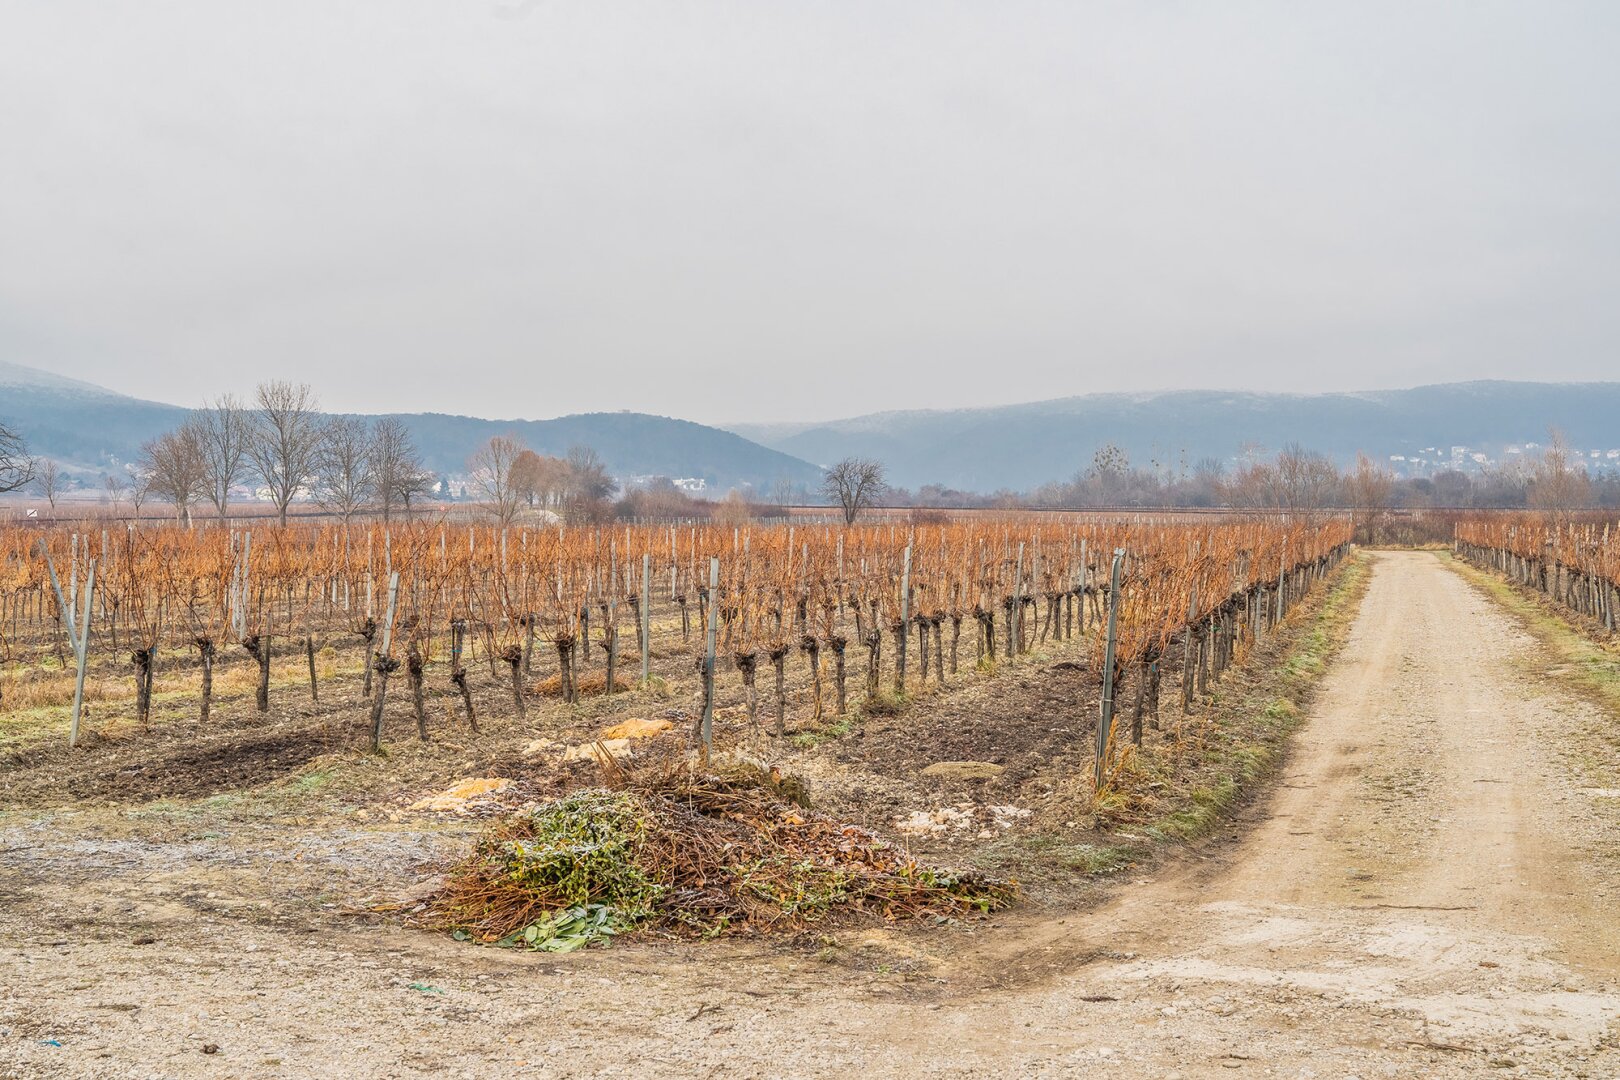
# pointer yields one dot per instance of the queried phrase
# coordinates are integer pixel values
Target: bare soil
(1423, 893)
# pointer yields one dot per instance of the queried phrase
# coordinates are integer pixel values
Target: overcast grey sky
(799, 211)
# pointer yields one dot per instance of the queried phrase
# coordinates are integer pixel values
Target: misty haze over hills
(1019, 447)
(1016, 447)
(89, 428)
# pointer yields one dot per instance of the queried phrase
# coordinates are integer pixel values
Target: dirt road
(1429, 892)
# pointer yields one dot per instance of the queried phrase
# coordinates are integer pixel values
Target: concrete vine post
(706, 730)
(1085, 586)
(905, 622)
(1015, 628)
(610, 618)
(1282, 585)
(78, 628)
(1187, 649)
(646, 618)
(1106, 720)
(385, 663)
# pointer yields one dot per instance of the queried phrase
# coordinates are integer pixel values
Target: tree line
(508, 477)
(284, 446)
(1299, 479)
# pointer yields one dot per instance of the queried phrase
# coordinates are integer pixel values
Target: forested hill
(1014, 447)
(92, 430)
(1020, 447)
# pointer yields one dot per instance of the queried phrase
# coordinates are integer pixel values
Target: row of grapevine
(523, 604)
(1575, 561)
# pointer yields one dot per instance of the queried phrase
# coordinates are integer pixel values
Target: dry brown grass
(592, 682)
(30, 688)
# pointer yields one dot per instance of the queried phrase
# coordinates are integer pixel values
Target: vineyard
(870, 614)
(1574, 561)
(956, 688)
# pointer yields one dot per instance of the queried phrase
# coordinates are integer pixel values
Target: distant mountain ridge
(93, 429)
(17, 377)
(985, 449)
(1020, 447)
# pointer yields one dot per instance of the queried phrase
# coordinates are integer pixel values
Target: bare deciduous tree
(854, 484)
(1306, 480)
(657, 500)
(491, 471)
(733, 510)
(784, 492)
(346, 475)
(541, 480)
(285, 443)
(1297, 479)
(528, 476)
(1251, 486)
(398, 476)
(16, 467)
(224, 433)
(48, 480)
(175, 467)
(140, 489)
(1557, 485)
(589, 485)
(114, 485)
(1109, 480)
(1367, 489)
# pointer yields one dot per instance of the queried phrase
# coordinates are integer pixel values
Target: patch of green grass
(156, 808)
(1586, 664)
(1092, 859)
(31, 725)
(885, 703)
(656, 688)
(313, 781)
(1281, 709)
(809, 740)
(1206, 803)
(1302, 666)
